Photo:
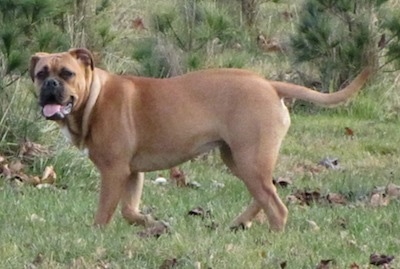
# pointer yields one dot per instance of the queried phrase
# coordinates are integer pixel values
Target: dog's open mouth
(57, 111)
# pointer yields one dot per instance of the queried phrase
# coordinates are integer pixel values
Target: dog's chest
(65, 131)
(70, 137)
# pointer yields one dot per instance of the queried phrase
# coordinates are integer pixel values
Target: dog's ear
(34, 60)
(84, 55)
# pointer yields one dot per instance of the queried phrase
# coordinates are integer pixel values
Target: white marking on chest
(65, 131)
(85, 151)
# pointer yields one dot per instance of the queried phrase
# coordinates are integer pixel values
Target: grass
(51, 228)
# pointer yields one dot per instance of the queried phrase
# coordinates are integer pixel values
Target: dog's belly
(146, 161)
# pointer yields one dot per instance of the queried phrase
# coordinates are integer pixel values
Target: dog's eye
(66, 74)
(41, 75)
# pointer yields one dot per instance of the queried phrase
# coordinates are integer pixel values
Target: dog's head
(62, 81)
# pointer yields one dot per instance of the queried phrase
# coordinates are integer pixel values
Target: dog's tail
(324, 99)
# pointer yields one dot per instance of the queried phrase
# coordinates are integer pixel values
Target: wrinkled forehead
(56, 61)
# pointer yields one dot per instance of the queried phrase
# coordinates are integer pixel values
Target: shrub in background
(340, 37)
(187, 38)
(38, 25)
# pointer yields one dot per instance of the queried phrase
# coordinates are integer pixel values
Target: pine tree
(339, 37)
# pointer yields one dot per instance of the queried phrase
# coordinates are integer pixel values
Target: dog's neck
(76, 126)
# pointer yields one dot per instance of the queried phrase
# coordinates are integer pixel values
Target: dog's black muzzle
(53, 100)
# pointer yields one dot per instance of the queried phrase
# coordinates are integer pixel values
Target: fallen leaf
(393, 191)
(6, 171)
(197, 265)
(155, 231)
(32, 180)
(380, 259)
(379, 199)
(36, 218)
(336, 198)
(45, 186)
(16, 166)
(349, 132)
(169, 263)
(330, 163)
(29, 149)
(324, 264)
(382, 41)
(307, 197)
(354, 266)
(177, 176)
(49, 175)
(282, 181)
(292, 199)
(160, 181)
(38, 259)
(199, 211)
(313, 225)
(193, 184)
(138, 24)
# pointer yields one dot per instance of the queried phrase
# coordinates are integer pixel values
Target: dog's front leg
(113, 180)
(131, 200)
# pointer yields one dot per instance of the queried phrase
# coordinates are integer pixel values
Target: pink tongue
(51, 109)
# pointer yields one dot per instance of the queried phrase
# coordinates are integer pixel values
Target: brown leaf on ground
(16, 166)
(324, 264)
(49, 176)
(38, 259)
(336, 198)
(282, 181)
(354, 266)
(307, 197)
(138, 24)
(155, 231)
(309, 168)
(5, 171)
(380, 259)
(29, 149)
(199, 211)
(178, 177)
(393, 191)
(379, 199)
(292, 199)
(169, 263)
(32, 180)
(348, 132)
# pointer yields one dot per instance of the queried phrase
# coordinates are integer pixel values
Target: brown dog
(133, 124)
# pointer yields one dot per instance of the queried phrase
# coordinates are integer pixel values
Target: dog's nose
(51, 83)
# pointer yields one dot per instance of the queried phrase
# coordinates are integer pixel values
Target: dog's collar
(94, 93)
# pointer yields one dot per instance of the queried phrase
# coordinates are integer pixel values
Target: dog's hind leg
(256, 173)
(131, 199)
(244, 220)
(254, 164)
